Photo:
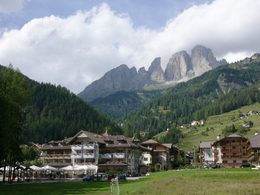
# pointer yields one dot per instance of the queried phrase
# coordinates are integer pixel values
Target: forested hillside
(118, 104)
(215, 92)
(55, 113)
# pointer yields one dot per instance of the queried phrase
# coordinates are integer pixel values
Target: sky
(75, 42)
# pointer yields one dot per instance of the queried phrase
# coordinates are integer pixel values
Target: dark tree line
(14, 95)
(55, 113)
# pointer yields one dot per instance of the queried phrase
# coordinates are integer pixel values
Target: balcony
(55, 156)
(233, 144)
(233, 156)
(225, 150)
(235, 150)
(225, 156)
(83, 147)
(119, 155)
(89, 155)
(108, 155)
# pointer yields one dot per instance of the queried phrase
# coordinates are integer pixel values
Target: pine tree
(128, 131)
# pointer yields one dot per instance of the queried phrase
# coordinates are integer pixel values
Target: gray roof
(230, 136)
(205, 144)
(255, 141)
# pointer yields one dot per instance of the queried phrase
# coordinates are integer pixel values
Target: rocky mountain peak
(203, 60)
(178, 66)
(181, 67)
(156, 71)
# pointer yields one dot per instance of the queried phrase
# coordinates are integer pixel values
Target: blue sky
(74, 42)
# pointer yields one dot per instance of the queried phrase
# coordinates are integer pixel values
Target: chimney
(218, 137)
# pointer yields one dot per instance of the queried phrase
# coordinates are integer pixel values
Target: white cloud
(7, 6)
(79, 49)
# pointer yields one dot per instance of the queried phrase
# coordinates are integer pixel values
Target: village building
(161, 156)
(253, 148)
(109, 153)
(230, 151)
(206, 154)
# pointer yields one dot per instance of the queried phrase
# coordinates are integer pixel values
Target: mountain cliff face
(180, 66)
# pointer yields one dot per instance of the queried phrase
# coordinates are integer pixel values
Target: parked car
(121, 177)
(214, 166)
(135, 174)
(111, 176)
(245, 165)
(88, 178)
(100, 177)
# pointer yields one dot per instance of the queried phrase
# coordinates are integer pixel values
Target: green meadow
(215, 124)
(233, 181)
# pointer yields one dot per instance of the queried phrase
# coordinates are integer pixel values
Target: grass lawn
(233, 181)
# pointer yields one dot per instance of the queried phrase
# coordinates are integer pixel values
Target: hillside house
(230, 151)
(206, 154)
(227, 152)
(161, 155)
(253, 148)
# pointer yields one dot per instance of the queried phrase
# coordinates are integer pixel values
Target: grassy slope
(218, 122)
(231, 181)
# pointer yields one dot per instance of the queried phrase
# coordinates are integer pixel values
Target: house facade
(161, 156)
(107, 152)
(56, 153)
(206, 154)
(230, 151)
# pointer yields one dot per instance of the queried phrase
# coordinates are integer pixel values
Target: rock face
(180, 66)
(155, 72)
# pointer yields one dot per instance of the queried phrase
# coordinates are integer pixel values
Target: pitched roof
(150, 141)
(167, 145)
(255, 141)
(206, 144)
(230, 136)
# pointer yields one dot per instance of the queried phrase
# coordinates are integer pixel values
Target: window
(234, 161)
(145, 159)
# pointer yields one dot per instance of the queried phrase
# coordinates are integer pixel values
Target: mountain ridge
(180, 67)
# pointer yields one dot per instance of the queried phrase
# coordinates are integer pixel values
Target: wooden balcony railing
(55, 156)
(234, 144)
(225, 150)
(233, 156)
(235, 150)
